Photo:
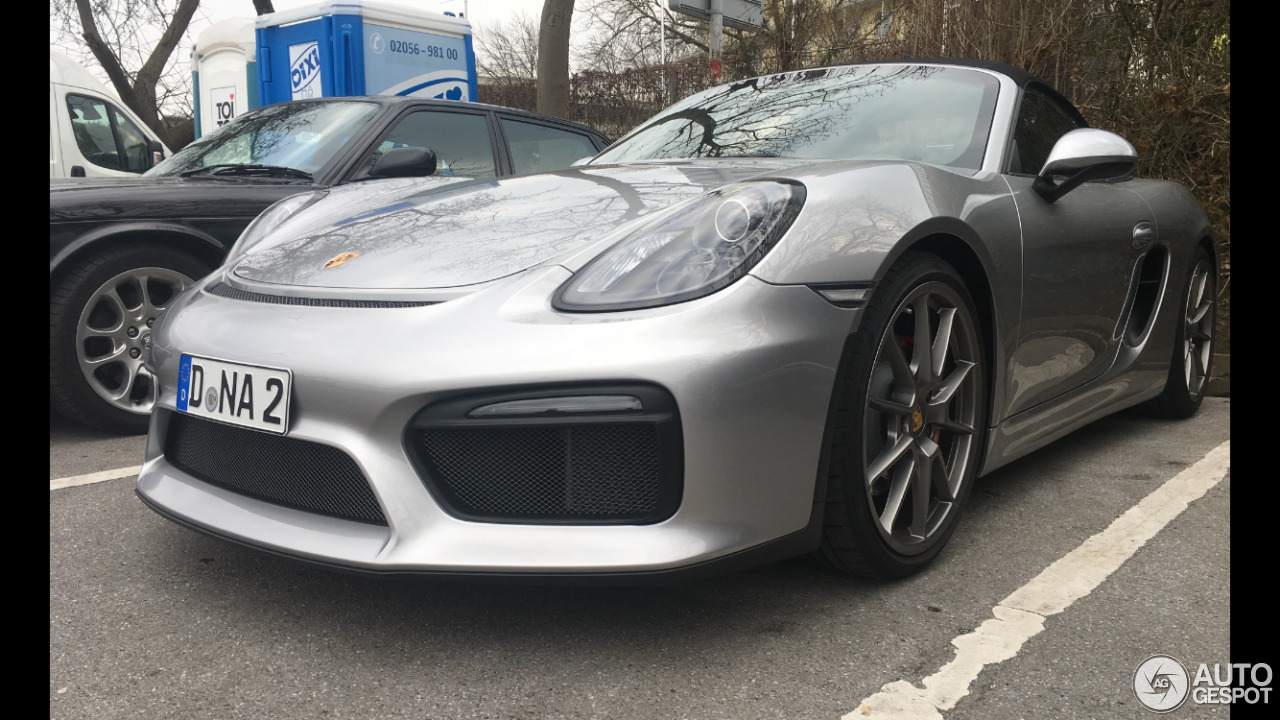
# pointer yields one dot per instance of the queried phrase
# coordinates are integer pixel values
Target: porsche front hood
(474, 232)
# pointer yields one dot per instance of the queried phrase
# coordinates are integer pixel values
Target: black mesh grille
(577, 472)
(226, 291)
(281, 470)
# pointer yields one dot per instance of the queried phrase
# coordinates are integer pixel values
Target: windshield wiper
(245, 169)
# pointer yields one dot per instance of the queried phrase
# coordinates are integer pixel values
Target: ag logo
(1161, 683)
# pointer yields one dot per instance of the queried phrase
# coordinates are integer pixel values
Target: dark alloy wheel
(1193, 347)
(101, 315)
(910, 423)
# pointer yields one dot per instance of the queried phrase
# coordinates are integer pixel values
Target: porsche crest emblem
(340, 259)
(917, 419)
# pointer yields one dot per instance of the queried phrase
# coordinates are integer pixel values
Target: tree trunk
(553, 58)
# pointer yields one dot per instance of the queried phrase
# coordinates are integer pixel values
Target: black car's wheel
(1193, 346)
(910, 414)
(101, 312)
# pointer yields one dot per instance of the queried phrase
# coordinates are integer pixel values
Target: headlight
(272, 218)
(691, 252)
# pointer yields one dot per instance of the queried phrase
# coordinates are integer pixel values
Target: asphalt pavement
(151, 620)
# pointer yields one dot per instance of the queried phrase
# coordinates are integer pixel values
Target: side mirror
(156, 150)
(1084, 154)
(405, 162)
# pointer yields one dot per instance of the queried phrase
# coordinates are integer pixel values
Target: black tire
(905, 437)
(1192, 361)
(100, 314)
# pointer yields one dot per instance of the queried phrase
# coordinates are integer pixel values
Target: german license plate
(247, 395)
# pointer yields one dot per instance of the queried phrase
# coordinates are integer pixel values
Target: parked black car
(120, 248)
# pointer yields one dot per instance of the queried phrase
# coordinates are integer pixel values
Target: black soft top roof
(1023, 78)
(1017, 74)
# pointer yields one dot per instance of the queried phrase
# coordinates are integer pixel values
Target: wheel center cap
(146, 341)
(917, 417)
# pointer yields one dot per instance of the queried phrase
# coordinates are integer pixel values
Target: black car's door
(535, 147)
(461, 138)
(1078, 261)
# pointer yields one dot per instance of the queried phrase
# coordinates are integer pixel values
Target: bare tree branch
(508, 51)
(105, 55)
(134, 42)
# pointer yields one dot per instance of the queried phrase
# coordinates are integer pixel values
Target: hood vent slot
(222, 289)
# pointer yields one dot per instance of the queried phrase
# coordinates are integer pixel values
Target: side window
(92, 129)
(136, 157)
(539, 148)
(1041, 121)
(459, 140)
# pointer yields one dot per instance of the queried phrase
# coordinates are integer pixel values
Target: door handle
(1143, 234)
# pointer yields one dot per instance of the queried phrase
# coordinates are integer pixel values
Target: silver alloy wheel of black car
(113, 336)
(914, 400)
(102, 313)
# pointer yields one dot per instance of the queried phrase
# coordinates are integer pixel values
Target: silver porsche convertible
(795, 314)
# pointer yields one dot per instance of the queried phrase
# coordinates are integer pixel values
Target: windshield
(298, 136)
(938, 115)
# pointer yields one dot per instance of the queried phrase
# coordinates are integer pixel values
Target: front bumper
(750, 369)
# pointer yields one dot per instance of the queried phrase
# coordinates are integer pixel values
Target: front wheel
(910, 413)
(101, 313)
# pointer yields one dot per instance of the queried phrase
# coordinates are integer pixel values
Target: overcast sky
(480, 12)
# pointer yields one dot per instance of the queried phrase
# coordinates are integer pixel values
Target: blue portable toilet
(358, 47)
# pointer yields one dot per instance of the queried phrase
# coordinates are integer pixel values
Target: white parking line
(1022, 614)
(92, 478)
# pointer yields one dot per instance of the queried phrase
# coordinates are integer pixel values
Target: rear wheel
(101, 313)
(909, 425)
(1193, 347)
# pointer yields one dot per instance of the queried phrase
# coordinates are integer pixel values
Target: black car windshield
(939, 115)
(290, 138)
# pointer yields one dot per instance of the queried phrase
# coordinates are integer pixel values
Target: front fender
(858, 220)
(65, 243)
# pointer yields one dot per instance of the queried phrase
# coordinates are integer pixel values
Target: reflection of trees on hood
(780, 115)
(479, 232)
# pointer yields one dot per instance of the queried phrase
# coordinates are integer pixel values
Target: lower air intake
(566, 473)
(273, 468)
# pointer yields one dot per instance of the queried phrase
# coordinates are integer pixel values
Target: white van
(92, 133)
